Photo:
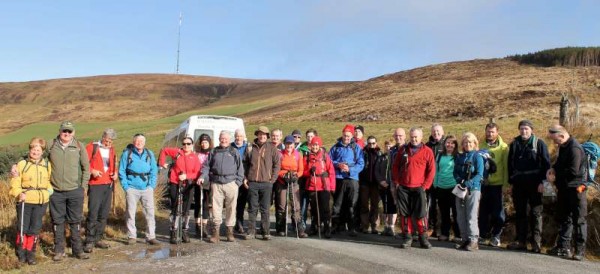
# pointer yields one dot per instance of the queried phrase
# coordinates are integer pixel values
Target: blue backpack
(590, 161)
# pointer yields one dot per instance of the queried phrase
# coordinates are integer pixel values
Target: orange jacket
(290, 162)
(97, 163)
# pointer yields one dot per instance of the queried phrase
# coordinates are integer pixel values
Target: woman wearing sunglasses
(184, 171)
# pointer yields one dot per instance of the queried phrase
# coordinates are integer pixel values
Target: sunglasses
(298, 137)
(186, 144)
(67, 131)
(372, 143)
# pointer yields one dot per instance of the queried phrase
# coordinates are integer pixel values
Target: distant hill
(457, 91)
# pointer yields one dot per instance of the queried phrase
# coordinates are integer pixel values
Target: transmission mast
(178, 41)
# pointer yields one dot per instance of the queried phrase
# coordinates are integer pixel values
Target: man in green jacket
(491, 209)
(70, 175)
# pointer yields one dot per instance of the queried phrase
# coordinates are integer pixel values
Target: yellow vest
(34, 180)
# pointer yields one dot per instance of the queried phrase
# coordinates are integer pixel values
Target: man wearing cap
(261, 166)
(102, 159)
(348, 161)
(528, 162)
(138, 172)
(297, 138)
(359, 132)
(241, 145)
(70, 175)
(569, 176)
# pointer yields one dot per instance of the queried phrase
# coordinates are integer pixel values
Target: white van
(203, 124)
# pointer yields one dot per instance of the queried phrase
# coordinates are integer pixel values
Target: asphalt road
(341, 254)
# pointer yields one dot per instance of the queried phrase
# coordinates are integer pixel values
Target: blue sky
(301, 40)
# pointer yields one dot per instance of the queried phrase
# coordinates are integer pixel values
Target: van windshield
(199, 132)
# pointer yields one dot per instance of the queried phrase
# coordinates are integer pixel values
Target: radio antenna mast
(178, 41)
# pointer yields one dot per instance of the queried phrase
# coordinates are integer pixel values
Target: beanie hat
(526, 123)
(205, 137)
(349, 128)
(296, 132)
(361, 128)
(316, 141)
(288, 139)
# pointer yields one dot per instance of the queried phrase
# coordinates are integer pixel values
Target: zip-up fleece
(341, 153)
(70, 166)
(34, 180)
(138, 165)
(568, 166)
(525, 166)
(262, 163)
(323, 166)
(98, 164)
(290, 162)
(414, 169)
(469, 164)
(223, 166)
(372, 156)
(499, 153)
(190, 164)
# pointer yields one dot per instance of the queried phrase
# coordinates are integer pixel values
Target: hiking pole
(113, 184)
(179, 214)
(201, 188)
(317, 203)
(286, 210)
(22, 217)
(294, 209)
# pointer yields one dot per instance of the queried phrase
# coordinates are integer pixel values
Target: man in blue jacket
(348, 161)
(137, 173)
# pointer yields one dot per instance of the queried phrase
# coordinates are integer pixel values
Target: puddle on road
(160, 253)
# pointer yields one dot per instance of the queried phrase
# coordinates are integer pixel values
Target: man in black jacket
(528, 161)
(568, 174)
(436, 143)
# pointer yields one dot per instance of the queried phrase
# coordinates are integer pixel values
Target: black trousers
(324, 214)
(32, 218)
(205, 197)
(99, 202)
(387, 199)
(447, 203)
(412, 202)
(344, 203)
(523, 195)
(67, 206)
(242, 200)
(572, 210)
(259, 196)
(432, 204)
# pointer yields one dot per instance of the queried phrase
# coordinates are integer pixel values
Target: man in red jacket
(413, 172)
(101, 186)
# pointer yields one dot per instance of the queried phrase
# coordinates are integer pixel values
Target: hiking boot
(251, 234)
(495, 242)
(443, 238)
(215, 237)
(482, 241)
(424, 241)
(239, 227)
(314, 230)
(327, 231)
(21, 253)
(462, 246)
(457, 240)
(407, 241)
(81, 256)
(353, 233)
(374, 229)
(173, 237)
(58, 256)
(230, 237)
(266, 237)
(102, 245)
(560, 252)
(579, 254)
(153, 242)
(536, 247)
(88, 248)
(185, 237)
(281, 234)
(131, 241)
(472, 246)
(517, 246)
(30, 254)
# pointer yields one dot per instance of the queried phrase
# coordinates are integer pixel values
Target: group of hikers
(411, 178)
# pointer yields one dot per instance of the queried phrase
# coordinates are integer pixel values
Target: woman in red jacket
(292, 168)
(185, 170)
(320, 183)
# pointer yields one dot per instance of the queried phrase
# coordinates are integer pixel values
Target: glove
(313, 169)
(580, 188)
(462, 185)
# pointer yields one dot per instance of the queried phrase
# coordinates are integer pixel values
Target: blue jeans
(466, 210)
(491, 211)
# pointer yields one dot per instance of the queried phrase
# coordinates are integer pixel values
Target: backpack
(489, 166)
(129, 150)
(590, 161)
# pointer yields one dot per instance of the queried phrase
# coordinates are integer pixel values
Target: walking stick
(201, 188)
(294, 209)
(317, 203)
(286, 209)
(22, 217)
(113, 182)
